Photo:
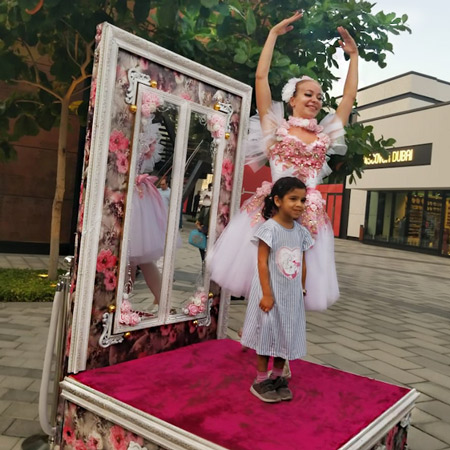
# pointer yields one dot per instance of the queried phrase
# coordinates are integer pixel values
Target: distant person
(202, 221)
(195, 204)
(164, 190)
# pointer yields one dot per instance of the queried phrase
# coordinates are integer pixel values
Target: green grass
(25, 285)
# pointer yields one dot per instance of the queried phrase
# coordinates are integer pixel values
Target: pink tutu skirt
(233, 259)
(148, 222)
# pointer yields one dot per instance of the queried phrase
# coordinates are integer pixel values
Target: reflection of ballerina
(148, 222)
(296, 147)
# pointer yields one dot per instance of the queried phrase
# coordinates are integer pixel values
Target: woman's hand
(285, 25)
(347, 43)
(266, 303)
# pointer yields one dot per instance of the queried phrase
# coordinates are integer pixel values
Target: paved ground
(392, 323)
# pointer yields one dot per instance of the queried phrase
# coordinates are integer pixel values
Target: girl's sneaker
(266, 391)
(281, 386)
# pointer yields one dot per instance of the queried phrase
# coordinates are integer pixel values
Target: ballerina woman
(295, 147)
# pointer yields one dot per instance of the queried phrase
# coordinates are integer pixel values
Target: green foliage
(226, 35)
(361, 143)
(25, 285)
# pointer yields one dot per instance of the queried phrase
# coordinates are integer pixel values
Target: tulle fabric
(232, 261)
(321, 279)
(148, 222)
(261, 136)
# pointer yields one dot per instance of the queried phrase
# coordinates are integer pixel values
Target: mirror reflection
(153, 203)
(154, 147)
(188, 295)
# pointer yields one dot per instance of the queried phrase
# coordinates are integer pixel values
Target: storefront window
(400, 217)
(371, 226)
(431, 226)
(379, 219)
(413, 218)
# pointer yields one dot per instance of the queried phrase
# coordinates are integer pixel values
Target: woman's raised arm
(262, 88)
(351, 82)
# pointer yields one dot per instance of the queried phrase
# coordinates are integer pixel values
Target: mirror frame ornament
(112, 41)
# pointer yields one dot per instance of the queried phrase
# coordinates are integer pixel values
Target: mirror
(195, 215)
(152, 159)
(173, 154)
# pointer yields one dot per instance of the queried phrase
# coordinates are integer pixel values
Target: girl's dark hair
(280, 188)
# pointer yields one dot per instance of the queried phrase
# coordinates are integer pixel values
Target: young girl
(275, 320)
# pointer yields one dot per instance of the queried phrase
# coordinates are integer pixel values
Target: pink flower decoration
(93, 91)
(118, 141)
(98, 34)
(216, 125)
(68, 434)
(127, 315)
(224, 210)
(122, 162)
(116, 196)
(166, 329)
(105, 260)
(314, 217)
(143, 63)
(197, 303)
(186, 96)
(227, 166)
(79, 445)
(68, 341)
(117, 438)
(110, 280)
(228, 183)
(150, 102)
(92, 443)
(193, 310)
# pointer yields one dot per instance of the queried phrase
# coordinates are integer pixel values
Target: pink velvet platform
(204, 389)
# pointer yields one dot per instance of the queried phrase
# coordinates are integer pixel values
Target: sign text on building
(416, 155)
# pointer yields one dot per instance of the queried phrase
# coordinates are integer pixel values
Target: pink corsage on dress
(233, 259)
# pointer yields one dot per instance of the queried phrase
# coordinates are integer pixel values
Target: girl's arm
(304, 272)
(262, 88)
(351, 82)
(266, 303)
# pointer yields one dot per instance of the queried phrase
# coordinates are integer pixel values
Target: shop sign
(416, 155)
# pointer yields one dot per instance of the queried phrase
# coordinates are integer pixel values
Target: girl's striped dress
(282, 331)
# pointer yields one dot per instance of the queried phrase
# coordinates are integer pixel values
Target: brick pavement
(392, 323)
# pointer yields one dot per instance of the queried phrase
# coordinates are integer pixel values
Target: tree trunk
(59, 191)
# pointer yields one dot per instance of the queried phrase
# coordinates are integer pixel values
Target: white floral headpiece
(289, 88)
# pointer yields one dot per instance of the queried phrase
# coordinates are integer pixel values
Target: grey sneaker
(265, 391)
(281, 386)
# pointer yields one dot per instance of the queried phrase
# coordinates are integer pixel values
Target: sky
(426, 50)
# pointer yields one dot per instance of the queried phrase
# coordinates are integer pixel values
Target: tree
(226, 35)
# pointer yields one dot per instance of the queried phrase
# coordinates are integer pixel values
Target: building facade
(404, 200)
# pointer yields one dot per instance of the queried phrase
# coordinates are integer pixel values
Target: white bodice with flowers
(290, 156)
(287, 154)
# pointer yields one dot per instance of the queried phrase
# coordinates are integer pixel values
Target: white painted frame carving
(112, 40)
